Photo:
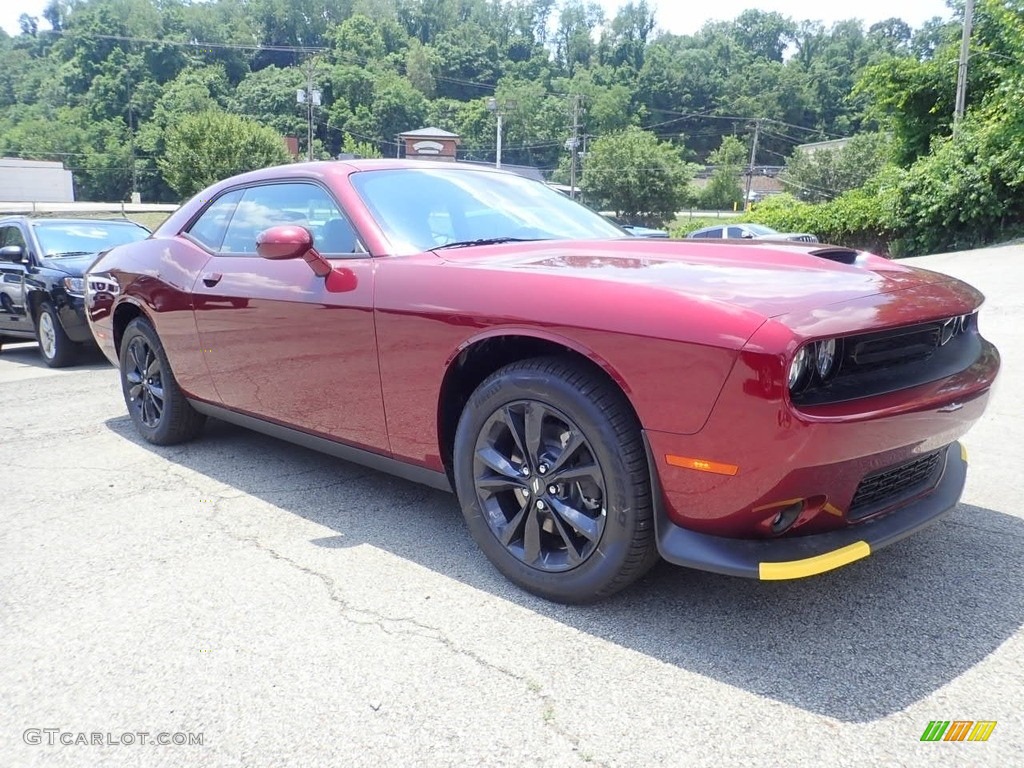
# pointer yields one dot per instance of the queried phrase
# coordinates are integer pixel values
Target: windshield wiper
(487, 241)
(68, 253)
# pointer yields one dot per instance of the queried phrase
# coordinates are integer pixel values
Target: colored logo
(958, 730)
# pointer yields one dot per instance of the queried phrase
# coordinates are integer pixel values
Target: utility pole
(497, 157)
(965, 55)
(573, 144)
(753, 159)
(583, 156)
(309, 96)
(498, 108)
(136, 198)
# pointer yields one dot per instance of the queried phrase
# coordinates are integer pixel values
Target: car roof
(348, 167)
(65, 220)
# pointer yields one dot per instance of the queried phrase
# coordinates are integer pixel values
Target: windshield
(79, 238)
(759, 229)
(420, 210)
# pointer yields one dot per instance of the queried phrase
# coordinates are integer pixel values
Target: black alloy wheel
(145, 382)
(541, 488)
(158, 408)
(552, 476)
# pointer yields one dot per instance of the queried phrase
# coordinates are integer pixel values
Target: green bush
(969, 191)
(861, 218)
(684, 225)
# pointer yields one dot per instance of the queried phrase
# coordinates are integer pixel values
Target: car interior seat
(337, 237)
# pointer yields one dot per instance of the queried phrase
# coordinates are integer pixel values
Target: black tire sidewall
(166, 432)
(624, 508)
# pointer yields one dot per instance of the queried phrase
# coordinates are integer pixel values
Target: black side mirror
(12, 253)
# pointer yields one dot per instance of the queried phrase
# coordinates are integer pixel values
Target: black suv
(42, 289)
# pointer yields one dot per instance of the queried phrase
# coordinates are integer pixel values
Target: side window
(12, 236)
(711, 234)
(735, 233)
(307, 205)
(210, 227)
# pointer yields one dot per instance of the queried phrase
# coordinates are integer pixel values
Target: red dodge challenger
(595, 400)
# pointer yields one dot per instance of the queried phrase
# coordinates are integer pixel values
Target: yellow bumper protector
(812, 566)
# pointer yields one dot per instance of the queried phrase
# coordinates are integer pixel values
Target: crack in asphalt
(396, 626)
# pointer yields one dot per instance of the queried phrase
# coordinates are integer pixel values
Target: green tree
(268, 96)
(642, 179)
(723, 190)
(212, 145)
(825, 173)
(468, 58)
(195, 90)
(625, 41)
(574, 38)
(359, 149)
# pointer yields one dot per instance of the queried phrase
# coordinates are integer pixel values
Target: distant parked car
(42, 284)
(750, 232)
(637, 231)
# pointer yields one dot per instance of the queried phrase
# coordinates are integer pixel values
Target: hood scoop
(841, 255)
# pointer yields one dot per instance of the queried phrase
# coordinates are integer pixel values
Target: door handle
(210, 279)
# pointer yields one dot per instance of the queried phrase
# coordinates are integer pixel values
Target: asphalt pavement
(285, 608)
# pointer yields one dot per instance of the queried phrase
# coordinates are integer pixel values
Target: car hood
(771, 279)
(71, 265)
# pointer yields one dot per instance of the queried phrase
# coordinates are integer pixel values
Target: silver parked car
(750, 232)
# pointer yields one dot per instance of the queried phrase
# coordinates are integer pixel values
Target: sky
(677, 16)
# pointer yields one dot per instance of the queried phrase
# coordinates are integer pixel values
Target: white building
(35, 181)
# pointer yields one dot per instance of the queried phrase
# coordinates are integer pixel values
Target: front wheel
(157, 406)
(55, 347)
(553, 480)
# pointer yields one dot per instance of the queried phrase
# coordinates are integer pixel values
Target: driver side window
(304, 204)
(12, 236)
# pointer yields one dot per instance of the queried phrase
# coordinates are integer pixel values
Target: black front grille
(900, 346)
(899, 358)
(890, 486)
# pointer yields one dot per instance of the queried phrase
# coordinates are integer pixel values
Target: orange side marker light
(702, 465)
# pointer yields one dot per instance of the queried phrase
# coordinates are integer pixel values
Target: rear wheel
(553, 480)
(57, 350)
(156, 404)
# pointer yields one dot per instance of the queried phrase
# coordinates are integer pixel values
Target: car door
(13, 313)
(279, 345)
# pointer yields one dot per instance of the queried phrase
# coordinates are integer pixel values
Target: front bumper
(799, 556)
(73, 319)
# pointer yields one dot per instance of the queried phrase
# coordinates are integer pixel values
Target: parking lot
(297, 610)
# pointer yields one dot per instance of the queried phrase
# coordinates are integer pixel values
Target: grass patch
(150, 220)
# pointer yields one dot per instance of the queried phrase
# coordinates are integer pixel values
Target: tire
(56, 349)
(586, 529)
(156, 404)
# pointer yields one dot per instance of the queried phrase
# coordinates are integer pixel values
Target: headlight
(799, 369)
(825, 357)
(101, 283)
(75, 286)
